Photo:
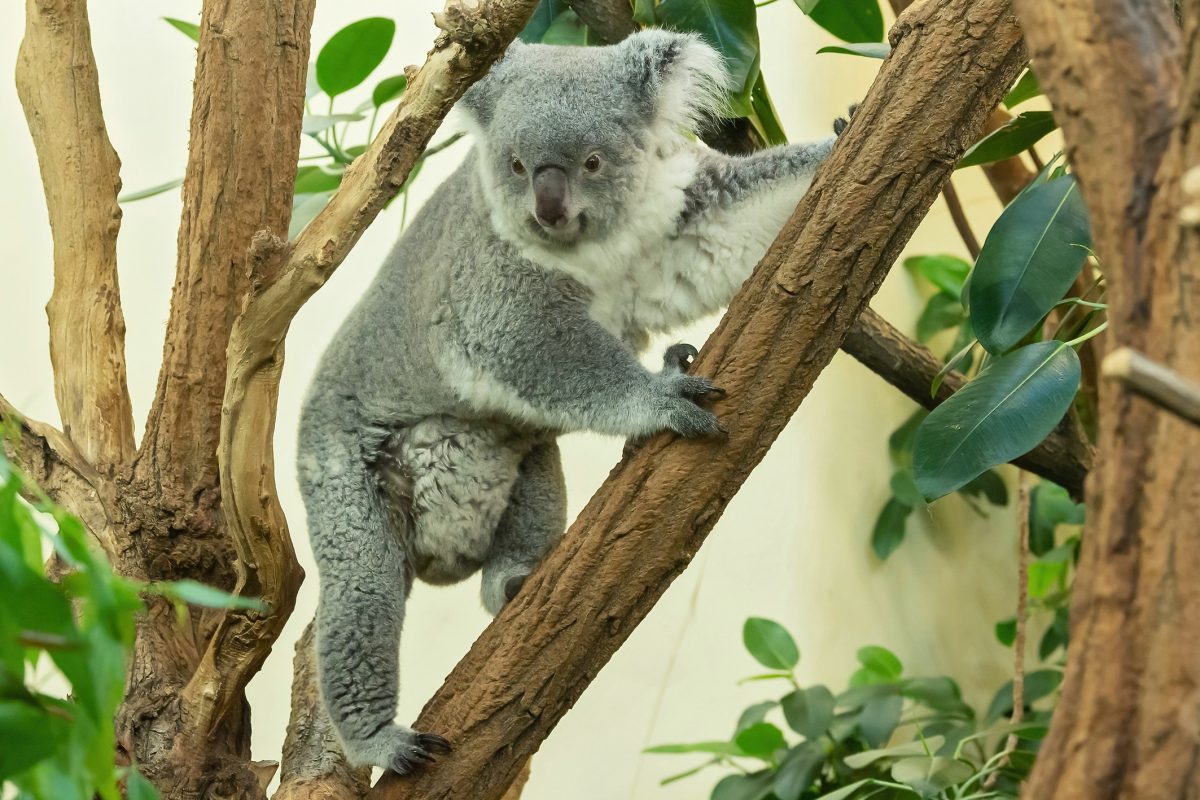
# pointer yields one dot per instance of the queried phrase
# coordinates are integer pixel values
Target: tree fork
(952, 61)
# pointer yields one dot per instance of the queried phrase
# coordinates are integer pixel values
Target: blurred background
(794, 546)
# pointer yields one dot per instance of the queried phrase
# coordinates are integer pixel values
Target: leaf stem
(1078, 340)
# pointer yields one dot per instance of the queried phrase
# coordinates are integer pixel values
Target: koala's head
(566, 135)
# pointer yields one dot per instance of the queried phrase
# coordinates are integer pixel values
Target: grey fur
(427, 440)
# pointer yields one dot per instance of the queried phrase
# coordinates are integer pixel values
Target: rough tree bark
(1126, 726)
(60, 93)
(953, 60)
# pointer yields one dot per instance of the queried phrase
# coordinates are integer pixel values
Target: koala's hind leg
(534, 520)
(455, 478)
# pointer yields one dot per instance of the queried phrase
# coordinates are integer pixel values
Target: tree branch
(314, 767)
(611, 20)
(53, 463)
(952, 60)
(1158, 384)
(59, 90)
(1064, 456)
(961, 223)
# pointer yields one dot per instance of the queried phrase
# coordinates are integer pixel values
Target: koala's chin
(564, 235)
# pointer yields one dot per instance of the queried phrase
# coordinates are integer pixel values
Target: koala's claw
(679, 357)
(434, 743)
(841, 123)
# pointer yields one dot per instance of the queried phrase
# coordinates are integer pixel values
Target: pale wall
(794, 544)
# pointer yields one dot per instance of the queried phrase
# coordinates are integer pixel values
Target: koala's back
(386, 356)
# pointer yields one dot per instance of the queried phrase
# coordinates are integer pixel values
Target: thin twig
(1018, 690)
(960, 219)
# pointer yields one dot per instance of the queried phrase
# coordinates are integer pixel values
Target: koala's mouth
(567, 235)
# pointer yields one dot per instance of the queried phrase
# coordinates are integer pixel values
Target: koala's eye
(517, 166)
(593, 163)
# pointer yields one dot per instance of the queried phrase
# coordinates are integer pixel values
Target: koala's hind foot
(840, 124)
(400, 749)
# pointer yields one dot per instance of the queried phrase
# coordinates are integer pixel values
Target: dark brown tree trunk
(1128, 724)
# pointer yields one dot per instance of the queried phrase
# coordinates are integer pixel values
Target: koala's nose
(550, 195)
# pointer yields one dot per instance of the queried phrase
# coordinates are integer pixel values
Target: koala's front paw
(841, 123)
(681, 404)
(399, 749)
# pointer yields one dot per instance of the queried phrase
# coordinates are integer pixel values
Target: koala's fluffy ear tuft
(480, 99)
(682, 78)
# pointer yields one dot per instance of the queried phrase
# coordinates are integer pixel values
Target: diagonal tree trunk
(1126, 726)
(953, 59)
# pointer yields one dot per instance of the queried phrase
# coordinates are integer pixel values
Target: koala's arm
(532, 352)
(733, 209)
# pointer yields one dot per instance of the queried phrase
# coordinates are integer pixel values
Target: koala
(512, 310)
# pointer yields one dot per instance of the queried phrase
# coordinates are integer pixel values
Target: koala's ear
(480, 100)
(680, 78)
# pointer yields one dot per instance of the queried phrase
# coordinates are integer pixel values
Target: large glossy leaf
(770, 644)
(353, 53)
(1016, 136)
(941, 312)
(1029, 260)
(850, 20)
(947, 273)
(728, 25)
(1009, 407)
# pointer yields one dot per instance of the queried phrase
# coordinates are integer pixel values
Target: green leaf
(987, 484)
(539, 23)
(879, 718)
(938, 693)
(917, 748)
(947, 273)
(188, 29)
(881, 661)
(850, 20)
(888, 532)
(1026, 88)
(928, 776)
(754, 714)
(809, 712)
(760, 739)
(1057, 635)
(310, 180)
(765, 114)
(353, 53)
(900, 442)
(715, 748)
(1006, 632)
(905, 489)
(941, 312)
(1011, 139)
(1048, 574)
(744, 787)
(847, 791)
(142, 194)
(1049, 507)
(138, 788)
(567, 29)
(388, 89)
(879, 50)
(1004, 412)
(199, 594)
(770, 644)
(643, 12)
(767, 676)
(798, 771)
(315, 123)
(730, 26)
(1038, 684)
(29, 735)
